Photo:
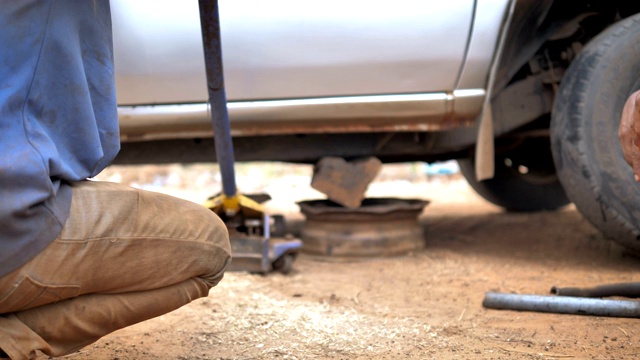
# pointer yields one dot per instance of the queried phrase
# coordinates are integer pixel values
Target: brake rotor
(380, 227)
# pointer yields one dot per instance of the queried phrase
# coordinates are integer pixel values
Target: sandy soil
(425, 305)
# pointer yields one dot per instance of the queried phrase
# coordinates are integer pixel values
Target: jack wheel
(284, 264)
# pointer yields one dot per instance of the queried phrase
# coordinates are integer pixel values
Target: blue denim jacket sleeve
(58, 115)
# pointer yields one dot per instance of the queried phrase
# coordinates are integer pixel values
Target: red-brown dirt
(425, 305)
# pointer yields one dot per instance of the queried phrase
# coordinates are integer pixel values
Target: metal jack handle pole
(210, 26)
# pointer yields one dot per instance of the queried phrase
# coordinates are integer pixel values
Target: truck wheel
(525, 178)
(584, 132)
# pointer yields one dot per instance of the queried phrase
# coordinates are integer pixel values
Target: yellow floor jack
(256, 238)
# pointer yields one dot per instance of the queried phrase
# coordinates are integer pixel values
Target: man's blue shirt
(58, 115)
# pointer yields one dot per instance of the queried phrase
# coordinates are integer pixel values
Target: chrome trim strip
(401, 112)
(339, 100)
(468, 93)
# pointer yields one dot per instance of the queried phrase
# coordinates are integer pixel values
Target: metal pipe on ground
(562, 305)
(629, 290)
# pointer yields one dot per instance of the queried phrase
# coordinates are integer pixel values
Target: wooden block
(345, 182)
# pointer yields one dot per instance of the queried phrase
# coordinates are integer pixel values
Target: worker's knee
(156, 226)
(110, 210)
(191, 222)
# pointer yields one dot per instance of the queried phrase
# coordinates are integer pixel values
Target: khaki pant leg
(124, 255)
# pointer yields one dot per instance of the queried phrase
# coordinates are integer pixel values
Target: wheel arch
(544, 38)
(536, 22)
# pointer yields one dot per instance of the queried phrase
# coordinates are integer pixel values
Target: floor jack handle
(210, 26)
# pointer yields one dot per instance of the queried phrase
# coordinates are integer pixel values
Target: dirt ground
(425, 305)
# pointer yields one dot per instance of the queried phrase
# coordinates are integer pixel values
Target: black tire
(584, 130)
(525, 178)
